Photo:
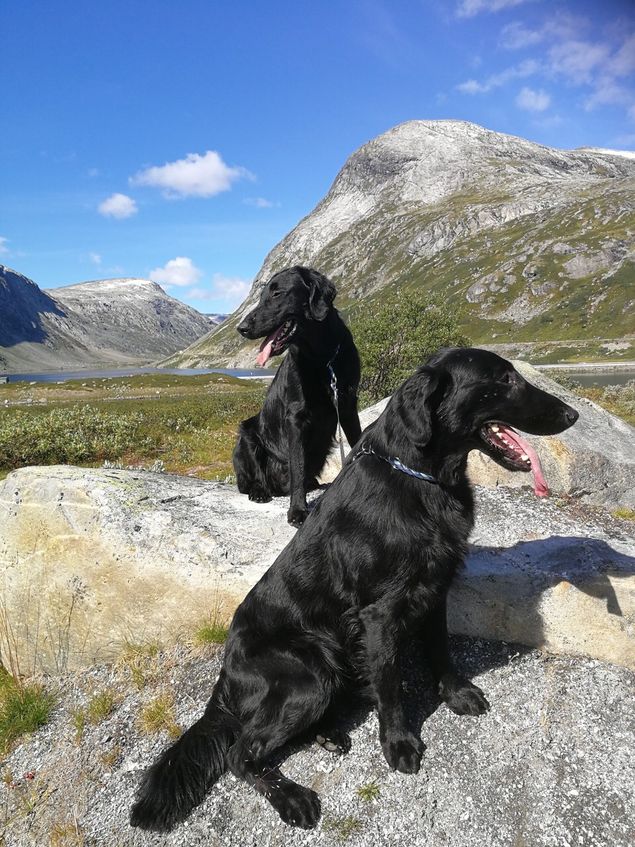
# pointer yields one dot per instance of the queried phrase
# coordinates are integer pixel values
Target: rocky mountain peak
(528, 242)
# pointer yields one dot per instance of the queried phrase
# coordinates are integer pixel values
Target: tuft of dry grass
(140, 662)
(99, 707)
(158, 716)
(369, 792)
(66, 833)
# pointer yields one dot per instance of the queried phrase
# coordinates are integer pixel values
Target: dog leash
(329, 366)
(394, 462)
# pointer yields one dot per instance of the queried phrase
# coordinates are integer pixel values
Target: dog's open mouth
(514, 453)
(276, 343)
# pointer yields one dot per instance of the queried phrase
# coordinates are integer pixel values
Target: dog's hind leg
(461, 695)
(282, 716)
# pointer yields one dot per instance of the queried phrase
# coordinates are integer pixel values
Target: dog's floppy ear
(415, 404)
(321, 293)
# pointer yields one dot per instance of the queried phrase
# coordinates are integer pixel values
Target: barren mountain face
(528, 243)
(118, 321)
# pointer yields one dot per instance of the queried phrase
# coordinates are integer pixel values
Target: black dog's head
(289, 302)
(466, 398)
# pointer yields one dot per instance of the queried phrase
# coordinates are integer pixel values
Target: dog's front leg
(462, 696)
(297, 486)
(402, 748)
(349, 418)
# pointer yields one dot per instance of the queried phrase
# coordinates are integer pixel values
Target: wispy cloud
(180, 272)
(472, 86)
(118, 206)
(533, 101)
(470, 8)
(566, 49)
(95, 258)
(577, 60)
(4, 250)
(561, 26)
(260, 202)
(194, 176)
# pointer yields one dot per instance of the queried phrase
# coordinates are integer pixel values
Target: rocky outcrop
(448, 205)
(116, 321)
(92, 560)
(593, 462)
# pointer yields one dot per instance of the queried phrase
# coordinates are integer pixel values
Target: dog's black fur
(370, 567)
(282, 449)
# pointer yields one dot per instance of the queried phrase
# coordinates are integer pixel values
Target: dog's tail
(181, 777)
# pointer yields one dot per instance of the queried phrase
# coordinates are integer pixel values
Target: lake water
(617, 377)
(599, 378)
(62, 376)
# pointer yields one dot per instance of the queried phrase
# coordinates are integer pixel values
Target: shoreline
(587, 367)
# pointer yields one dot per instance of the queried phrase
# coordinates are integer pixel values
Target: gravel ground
(552, 763)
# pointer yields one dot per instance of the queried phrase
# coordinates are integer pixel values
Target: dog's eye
(508, 378)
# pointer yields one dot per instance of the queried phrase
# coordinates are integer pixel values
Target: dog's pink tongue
(265, 350)
(541, 489)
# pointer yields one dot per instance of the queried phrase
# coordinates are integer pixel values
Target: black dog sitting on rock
(283, 448)
(371, 566)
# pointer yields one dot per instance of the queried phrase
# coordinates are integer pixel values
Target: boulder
(594, 461)
(94, 559)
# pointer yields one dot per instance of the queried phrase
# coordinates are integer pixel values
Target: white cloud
(259, 202)
(533, 101)
(562, 26)
(516, 36)
(231, 287)
(469, 8)
(608, 92)
(576, 60)
(118, 206)
(623, 62)
(3, 246)
(194, 176)
(600, 65)
(524, 69)
(95, 258)
(180, 271)
(232, 290)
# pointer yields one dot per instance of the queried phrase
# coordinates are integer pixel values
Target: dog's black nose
(243, 327)
(571, 416)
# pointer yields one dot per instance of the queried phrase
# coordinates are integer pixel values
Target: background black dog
(282, 449)
(371, 566)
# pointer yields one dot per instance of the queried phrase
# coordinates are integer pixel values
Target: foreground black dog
(282, 449)
(371, 566)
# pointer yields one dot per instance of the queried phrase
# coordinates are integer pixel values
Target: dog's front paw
(464, 698)
(296, 805)
(403, 753)
(259, 494)
(296, 516)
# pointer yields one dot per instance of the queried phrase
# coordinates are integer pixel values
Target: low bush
(395, 335)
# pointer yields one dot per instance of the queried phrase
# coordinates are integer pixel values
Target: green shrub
(395, 336)
(23, 709)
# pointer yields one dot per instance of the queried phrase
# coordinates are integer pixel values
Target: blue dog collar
(395, 463)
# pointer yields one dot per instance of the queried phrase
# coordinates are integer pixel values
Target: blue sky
(181, 141)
